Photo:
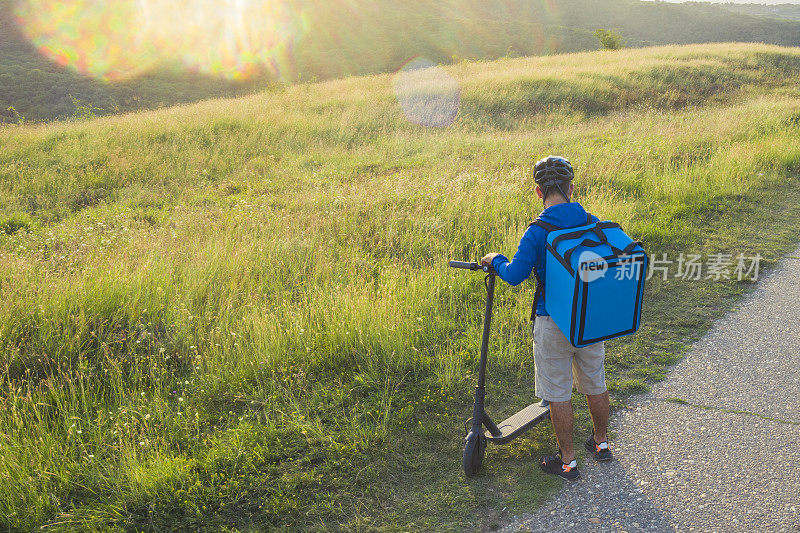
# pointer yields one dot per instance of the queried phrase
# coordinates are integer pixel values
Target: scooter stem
(479, 416)
(487, 325)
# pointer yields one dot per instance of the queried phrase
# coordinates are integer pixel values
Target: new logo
(591, 266)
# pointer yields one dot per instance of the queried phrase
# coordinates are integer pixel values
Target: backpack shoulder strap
(548, 227)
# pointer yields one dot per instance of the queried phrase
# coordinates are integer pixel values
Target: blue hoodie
(532, 247)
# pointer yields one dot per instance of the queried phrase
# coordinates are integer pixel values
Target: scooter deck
(518, 423)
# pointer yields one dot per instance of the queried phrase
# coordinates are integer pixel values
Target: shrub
(609, 39)
(15, 222)
(83, 110)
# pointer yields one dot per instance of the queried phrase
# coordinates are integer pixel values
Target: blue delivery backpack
(594, 283)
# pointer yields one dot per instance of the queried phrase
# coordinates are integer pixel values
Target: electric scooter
(516, 424)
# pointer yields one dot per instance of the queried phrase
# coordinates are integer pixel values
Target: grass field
(237, 315)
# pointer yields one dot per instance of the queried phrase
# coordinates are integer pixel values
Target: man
(555, 359)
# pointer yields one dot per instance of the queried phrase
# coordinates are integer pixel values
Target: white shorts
(557, 362)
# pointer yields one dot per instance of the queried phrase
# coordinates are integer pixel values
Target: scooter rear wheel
(474, 450)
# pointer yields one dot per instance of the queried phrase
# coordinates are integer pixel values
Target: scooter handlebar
(465, 265)
(472, 266)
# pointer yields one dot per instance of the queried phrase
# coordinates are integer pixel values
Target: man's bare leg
(599, 408)
(561, 416)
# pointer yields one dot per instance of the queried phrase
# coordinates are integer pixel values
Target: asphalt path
(715, 446)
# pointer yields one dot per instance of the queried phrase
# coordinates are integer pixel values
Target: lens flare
(235, 39)
(428, 95)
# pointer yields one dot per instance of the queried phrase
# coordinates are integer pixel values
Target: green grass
(237, 315)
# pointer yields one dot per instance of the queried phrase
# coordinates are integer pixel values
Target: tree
(83, 110)
(609, 39)
(18, 119)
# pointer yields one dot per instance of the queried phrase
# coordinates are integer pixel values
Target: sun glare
(428, 95)
(116, 40)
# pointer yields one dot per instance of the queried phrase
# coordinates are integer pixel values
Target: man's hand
(488, 258)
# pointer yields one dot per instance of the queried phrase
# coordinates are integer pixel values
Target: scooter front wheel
(474, 450)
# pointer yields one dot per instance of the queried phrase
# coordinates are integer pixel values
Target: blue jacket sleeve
(519, 269)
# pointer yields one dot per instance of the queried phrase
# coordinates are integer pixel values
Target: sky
(771, 2)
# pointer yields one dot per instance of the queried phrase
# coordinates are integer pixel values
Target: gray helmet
(553, 171)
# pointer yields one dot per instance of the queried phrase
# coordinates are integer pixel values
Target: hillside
(320, 40)
(236, 315)
(776, 11)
